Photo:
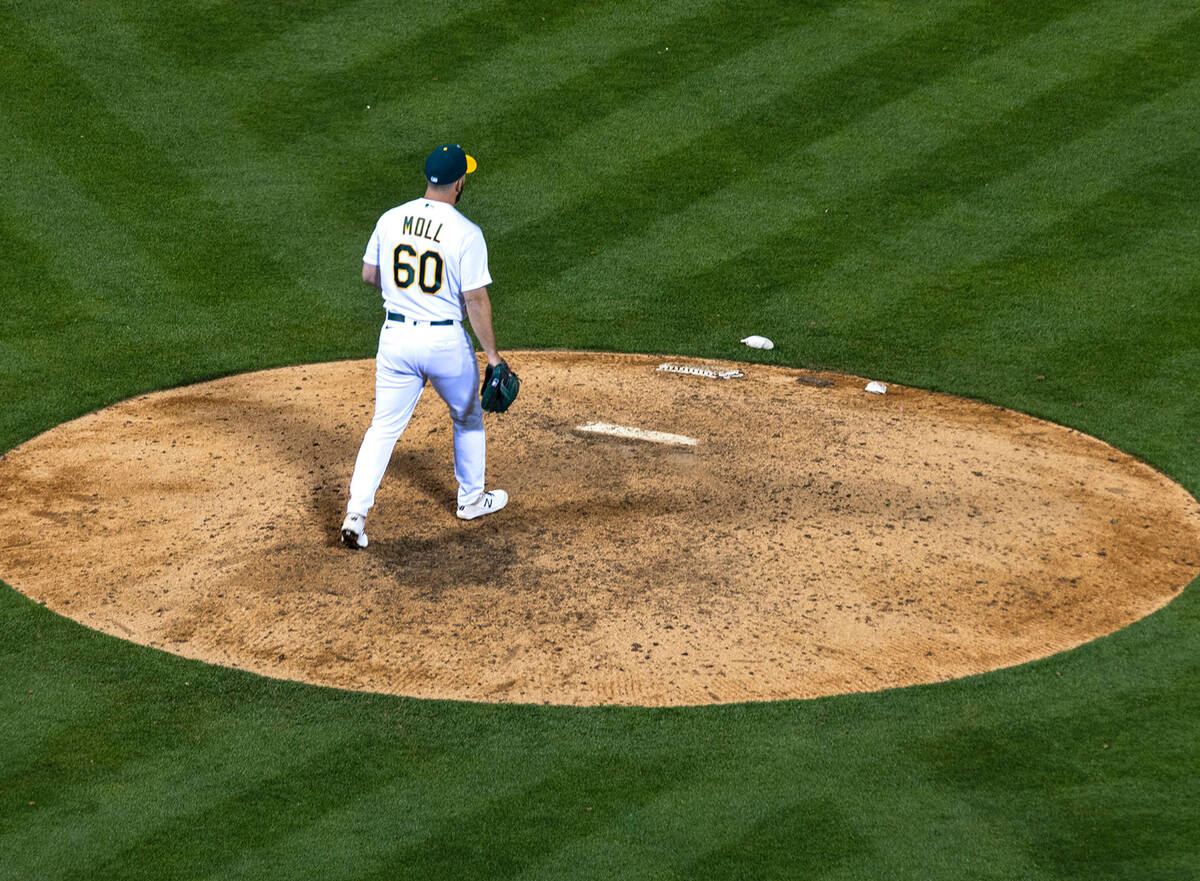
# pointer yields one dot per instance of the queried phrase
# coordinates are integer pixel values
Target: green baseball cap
(448, 163)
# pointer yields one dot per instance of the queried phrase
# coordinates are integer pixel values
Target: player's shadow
(325, 453)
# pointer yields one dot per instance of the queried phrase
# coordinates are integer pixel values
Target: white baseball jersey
(427, 254)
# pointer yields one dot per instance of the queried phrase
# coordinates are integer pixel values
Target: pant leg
(397, 390)
(456, 379)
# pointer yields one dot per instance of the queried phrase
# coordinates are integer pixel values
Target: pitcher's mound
(787, 539)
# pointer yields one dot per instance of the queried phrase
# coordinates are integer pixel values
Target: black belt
(396, 316)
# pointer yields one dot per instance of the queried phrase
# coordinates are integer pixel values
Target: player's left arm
(371, 276)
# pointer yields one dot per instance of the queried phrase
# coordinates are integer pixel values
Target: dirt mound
(814, 540)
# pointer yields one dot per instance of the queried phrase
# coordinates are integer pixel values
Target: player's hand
(500, 388)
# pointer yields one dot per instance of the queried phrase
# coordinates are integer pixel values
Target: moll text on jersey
(422, 227)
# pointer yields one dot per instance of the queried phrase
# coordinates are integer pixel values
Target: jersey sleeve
(475, 262)
(371, 255)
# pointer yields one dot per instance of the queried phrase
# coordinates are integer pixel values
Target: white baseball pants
(408, 356)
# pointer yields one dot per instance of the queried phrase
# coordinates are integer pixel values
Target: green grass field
(956, 194)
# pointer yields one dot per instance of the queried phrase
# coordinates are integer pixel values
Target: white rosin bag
(758, 342)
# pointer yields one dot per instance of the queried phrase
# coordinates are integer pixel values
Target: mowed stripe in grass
(180, 780)
(393, 139)
(140, 187)
(86, 288)
(514, 132)
(860, 245)
(132, 228)
(203, 175)
(465, 69)
(173, 233)
(211, 831)
(1119, 275)
(753, 110)
(676, 142)
(308, 204)
(163, 180)
(822, 172)
(1015, 209)
(1082, 271)
(994, 135)
(140, 259)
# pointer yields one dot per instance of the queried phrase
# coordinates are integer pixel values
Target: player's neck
(440, 196)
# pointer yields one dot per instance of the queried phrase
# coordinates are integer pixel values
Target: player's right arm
(479, 310)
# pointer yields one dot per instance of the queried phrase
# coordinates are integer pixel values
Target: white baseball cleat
(354, 533)
(488, 503)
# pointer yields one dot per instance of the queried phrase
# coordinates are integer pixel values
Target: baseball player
(430, 264)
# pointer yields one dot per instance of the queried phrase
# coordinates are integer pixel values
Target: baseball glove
(500, 388)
